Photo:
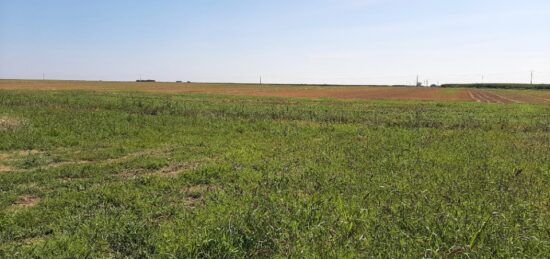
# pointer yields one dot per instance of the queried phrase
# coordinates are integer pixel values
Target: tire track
(507, 98)
(472, 96)
(482, 96)
(490, 98)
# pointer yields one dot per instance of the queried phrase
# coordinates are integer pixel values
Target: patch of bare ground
(25, 202)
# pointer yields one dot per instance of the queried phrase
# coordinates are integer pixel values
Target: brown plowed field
(300, 91)
(509, 96)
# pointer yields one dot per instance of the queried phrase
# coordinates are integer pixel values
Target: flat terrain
(165, 170)
(299, 91)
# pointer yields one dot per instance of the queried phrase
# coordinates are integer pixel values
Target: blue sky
(323, 41)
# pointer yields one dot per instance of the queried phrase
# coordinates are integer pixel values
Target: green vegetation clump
(500, 86)
(94, 174)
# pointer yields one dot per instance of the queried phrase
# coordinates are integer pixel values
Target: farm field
(297, 91)
(90, 169)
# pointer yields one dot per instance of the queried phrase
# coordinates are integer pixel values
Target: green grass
(90, 174)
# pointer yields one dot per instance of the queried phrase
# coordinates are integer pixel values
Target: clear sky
(298, 41)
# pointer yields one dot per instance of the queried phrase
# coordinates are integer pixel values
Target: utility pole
(416, 80)
(532, 76)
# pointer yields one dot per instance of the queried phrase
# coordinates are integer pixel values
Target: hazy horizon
(313, 42)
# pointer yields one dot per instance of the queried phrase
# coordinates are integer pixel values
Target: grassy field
(116, 174)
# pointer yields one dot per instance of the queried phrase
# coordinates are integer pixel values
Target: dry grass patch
(66, 163)
(4, 156)
(15, 154)
(25, 202)
(6, 169)
(174, 170)
(167, 171)
(10, 123)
